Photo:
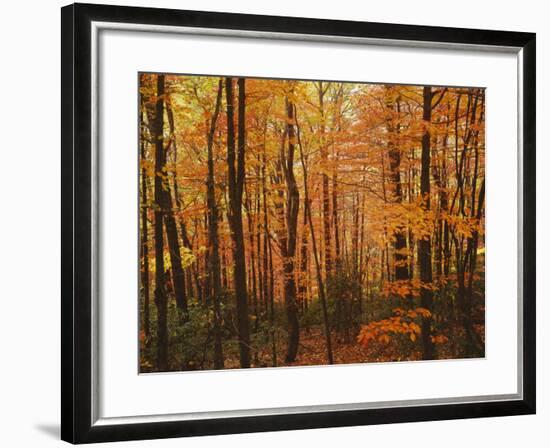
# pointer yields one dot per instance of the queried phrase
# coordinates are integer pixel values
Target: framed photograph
(275, 223)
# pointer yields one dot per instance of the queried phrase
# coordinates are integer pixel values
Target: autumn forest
(293, 223)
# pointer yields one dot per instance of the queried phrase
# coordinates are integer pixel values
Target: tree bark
(252, 257)
(268, 266)
(174, 251)
(160, 292)
(302, 285)
(144, 242)
(288, 245)
(394, 155)
(424, 243)
(326, 199)
(236, 173)
(178, 275)
(214, 255)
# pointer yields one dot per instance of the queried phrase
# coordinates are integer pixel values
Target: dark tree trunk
(302, 286)
(144, 243)
(252, 263)
(326, 199)
(236, 173)
(160, 291)
(335, 216)
(424, 243)
(214, 255)
(355, 250)
(268, 267)
(258, 231)
(412, 194)
(394, 155)
(272, 307)
(288, 246)
(174, 250)
(178, 275)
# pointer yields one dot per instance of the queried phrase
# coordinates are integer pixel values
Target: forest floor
(312, 351)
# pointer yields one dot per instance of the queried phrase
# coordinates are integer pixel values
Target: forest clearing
(293, 223)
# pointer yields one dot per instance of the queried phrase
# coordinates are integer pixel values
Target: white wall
(30, 209)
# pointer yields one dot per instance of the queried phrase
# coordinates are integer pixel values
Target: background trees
(294, 223)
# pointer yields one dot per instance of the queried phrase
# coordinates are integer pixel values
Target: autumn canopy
(287, 223)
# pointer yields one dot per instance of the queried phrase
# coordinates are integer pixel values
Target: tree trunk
(236, 173)
(289, 249)
(268, 266)
(320, 284)
(302, 286)
(144, 244)
(394, 155)
(178, 275)
(174, 251)
(335, 216)
(214, 255)
(252, 263)
(326, 200)
(160, 292)
(424, 243)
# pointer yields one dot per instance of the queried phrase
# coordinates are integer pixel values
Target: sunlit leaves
(403, 322)
(365, 142)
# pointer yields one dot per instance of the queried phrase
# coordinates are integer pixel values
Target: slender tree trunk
(272, 307)
(355, 237)
(320, 284)
(214, 255)
(336, 125)
(145, 244)
(174, 251)
(292, 207)
(412, 194)
(224, 269)
(363, 271)
(335, 216)
(160, 291)
(268, 267)
(252, 263)
(326, 199)
(302, 287)
(236, 174)
(258, 231)
(178, 275)
(424, 243)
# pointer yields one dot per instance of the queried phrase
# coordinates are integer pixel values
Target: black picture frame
(76, 218)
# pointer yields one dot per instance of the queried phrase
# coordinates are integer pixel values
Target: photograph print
(308, 222)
